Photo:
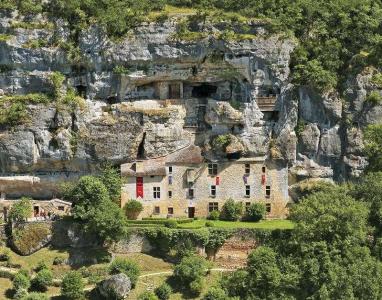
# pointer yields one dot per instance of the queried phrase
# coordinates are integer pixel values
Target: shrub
(163, 292)
(215, 293)
(21, 210)
(43, 279)
(190, 271)
(147, 296)
(21, 281)
(255, 212)
(41, 265)
(29, 238)
(214, 215)
(72, 286)
(126, 266)
(58, 261)
(231, 210)
(35, 296)
(209, 224)
(171, 224)
(20, 294)
(133, 208)
(374, 97)
(196, 286)
(5, 255)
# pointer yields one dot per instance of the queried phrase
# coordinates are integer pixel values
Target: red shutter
(139, 187)
(217, 180)
(263, 179)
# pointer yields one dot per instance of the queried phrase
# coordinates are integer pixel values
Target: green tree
(147, 296)
(42, 280)
(21, 210)
(373, 147)
(126, 266)
(132, 209)
(72, 287)
(216, 293)
(21, 281)
(92, 205)
(231, 210)
(190, 271)
(111, 178)
(163, 291)
(255, 212)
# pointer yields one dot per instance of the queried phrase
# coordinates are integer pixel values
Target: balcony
(266, 103)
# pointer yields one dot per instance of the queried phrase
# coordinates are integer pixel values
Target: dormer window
(170, 170)
(247, 169)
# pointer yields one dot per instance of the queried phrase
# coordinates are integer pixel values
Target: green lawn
(265, 224)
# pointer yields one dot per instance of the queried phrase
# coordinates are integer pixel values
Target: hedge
(158, 221)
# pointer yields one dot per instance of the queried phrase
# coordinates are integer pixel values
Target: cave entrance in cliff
(81, 90)
(203, 90)
(234, 156)
(141, 148)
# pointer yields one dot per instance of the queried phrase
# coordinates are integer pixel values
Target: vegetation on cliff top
(335, 37)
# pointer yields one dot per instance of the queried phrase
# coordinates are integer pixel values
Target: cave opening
(234, 156)
(272, 116)
(81, 90)
(141, 148)
(203, 90)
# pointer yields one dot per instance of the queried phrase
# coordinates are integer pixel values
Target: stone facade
(186, 188)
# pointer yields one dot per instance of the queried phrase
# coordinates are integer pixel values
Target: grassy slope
(267, 224)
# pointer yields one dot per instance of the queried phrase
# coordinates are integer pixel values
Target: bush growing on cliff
(21, 210)
(132, 209)
(126, 266)
(231, 210)
(373, 146)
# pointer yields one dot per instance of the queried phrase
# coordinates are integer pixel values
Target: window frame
(267, 191)
(212, 169)
(170, 208)
(156, 210)
(247, 190)
(169, 194)
(212, 206)
(156, 192)
(268, 208)
(213, 191)
(247, 169)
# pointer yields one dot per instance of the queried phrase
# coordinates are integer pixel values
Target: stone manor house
(184, 184)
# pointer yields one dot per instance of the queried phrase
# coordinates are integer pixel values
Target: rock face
(115, 287)
(166, 89)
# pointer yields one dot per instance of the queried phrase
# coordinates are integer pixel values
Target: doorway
(191, 212)
(174, 91)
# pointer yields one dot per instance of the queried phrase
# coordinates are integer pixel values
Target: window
(213, 191)
(268, 208)
(170, 170)
(247, 205)
(156, 192)
(157, 210)
(170, 194)
(191, 192)
(62, 208)
(212, 169)
(268, 191)
(247, 169)
(170, 210)
(213, 206)
(247, 191)
(263, 169)
(170, 179)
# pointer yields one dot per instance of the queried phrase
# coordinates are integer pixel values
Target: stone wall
(231, 185)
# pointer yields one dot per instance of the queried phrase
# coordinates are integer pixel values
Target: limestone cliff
(217, 85)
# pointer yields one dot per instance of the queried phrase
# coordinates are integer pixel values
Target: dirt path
(171, 272)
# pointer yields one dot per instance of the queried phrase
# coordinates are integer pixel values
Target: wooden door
(174, 91)
(139, 187)
(191, 212)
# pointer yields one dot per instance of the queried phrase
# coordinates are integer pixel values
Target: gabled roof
(189, 155)
(157, 166)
